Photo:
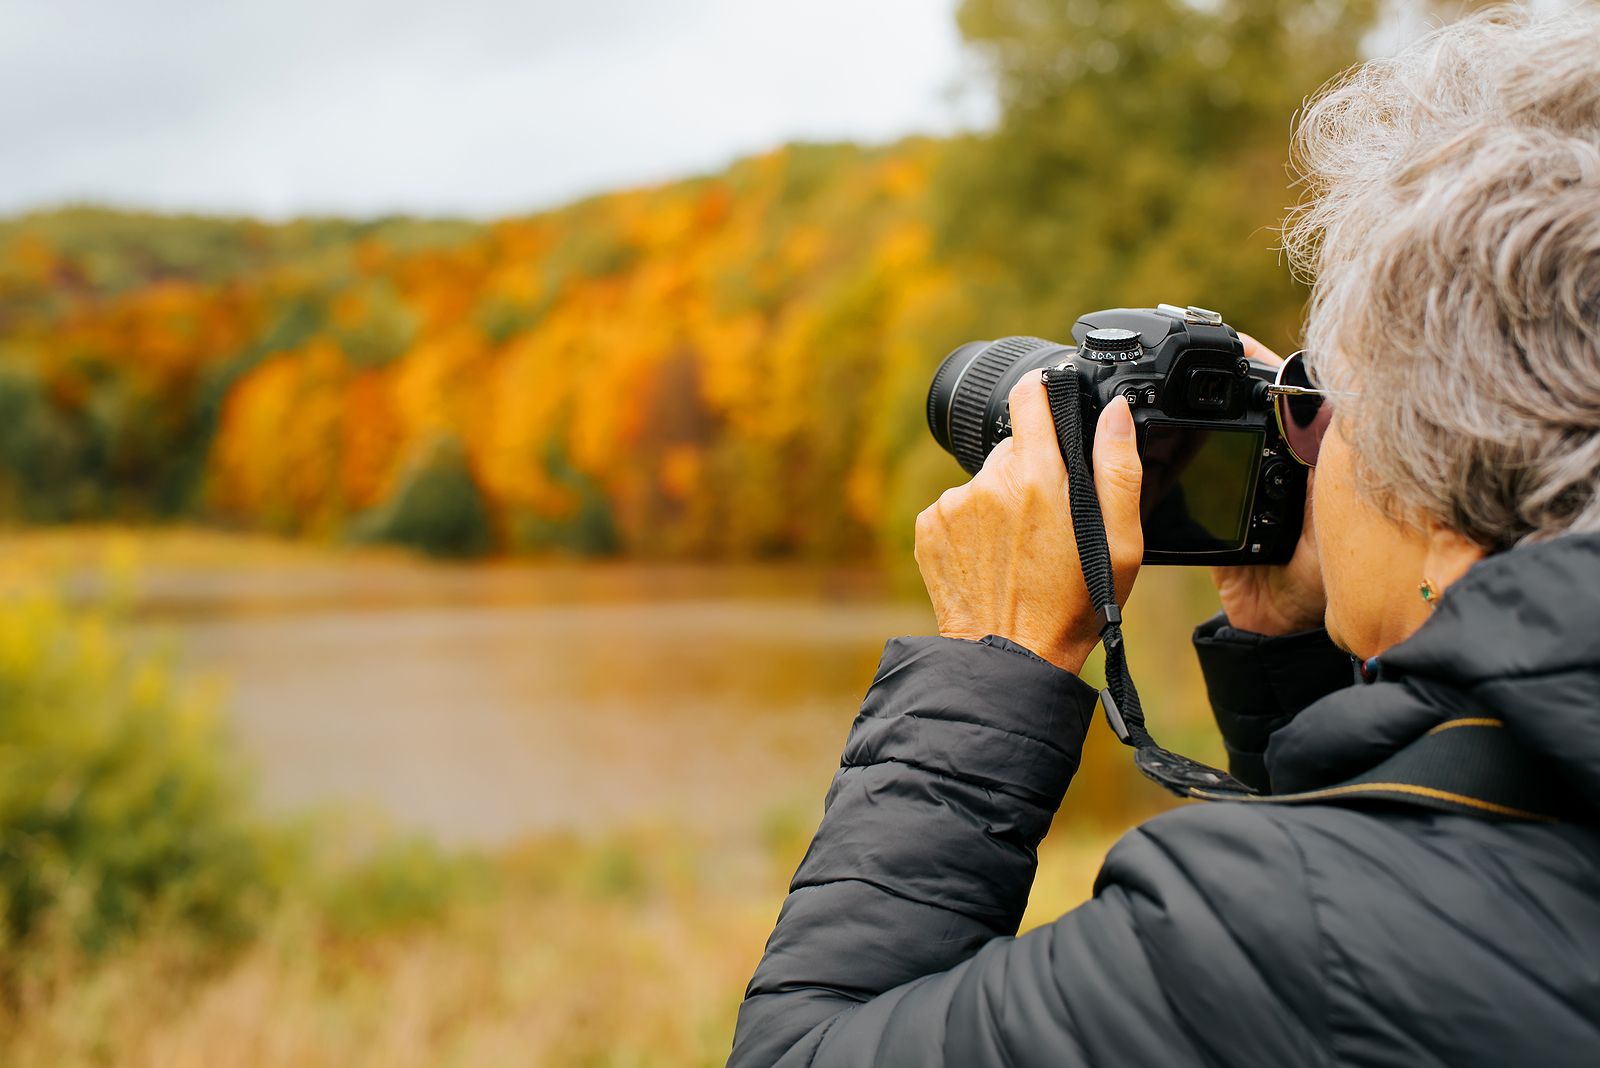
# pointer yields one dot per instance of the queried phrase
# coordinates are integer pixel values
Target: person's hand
(1275, 599)
(998, 554)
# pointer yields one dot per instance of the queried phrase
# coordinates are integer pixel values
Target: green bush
(121, 809)
(437, 507)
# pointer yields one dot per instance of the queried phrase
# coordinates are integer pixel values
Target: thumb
(1118, 476)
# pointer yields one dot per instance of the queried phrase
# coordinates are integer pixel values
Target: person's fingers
(1032, 427)
(1118, 476)
(998, 454)
(1255, 350)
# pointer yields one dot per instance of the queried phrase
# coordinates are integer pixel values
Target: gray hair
(1452, 234)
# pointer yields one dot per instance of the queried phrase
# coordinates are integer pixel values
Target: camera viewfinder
(1210, 389)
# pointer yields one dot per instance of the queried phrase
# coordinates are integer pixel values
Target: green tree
(437, 507)
(1140, 154)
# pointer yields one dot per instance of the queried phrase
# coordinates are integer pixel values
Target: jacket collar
(1518, 637)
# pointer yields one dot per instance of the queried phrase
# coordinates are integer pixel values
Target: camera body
(1220, 487)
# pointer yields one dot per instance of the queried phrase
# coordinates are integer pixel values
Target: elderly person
(1453, 550)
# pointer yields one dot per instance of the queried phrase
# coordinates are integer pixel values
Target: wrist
(1068, 655)
(1270, 622)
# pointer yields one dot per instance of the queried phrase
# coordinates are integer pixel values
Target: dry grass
(629, 951)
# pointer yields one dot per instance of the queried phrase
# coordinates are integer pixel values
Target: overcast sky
(280, 107)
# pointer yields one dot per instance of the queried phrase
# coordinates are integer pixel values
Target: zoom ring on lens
(969, 402)
(939, 392)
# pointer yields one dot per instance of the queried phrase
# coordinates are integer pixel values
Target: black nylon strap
(1094, 554)
(1120, 698)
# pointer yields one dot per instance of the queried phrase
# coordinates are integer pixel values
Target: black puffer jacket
(1222, 933)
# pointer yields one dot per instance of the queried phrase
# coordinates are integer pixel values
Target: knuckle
(1026, 388)
(1032, 490)
(1032, 498)
(1119, 471)
(1048, 467)
(983, 489)
(1124, 477)
(1002, 454)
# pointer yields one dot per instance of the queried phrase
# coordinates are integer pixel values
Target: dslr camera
(1220, 486)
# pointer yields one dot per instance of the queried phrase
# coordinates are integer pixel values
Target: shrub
(121, 808)
(437, 506)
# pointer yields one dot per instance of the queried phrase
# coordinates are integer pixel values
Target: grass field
(628, 951)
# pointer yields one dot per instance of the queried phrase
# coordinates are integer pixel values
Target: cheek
(1330, 506)
(1343, 541)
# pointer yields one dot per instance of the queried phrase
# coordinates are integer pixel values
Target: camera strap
(1119, 698)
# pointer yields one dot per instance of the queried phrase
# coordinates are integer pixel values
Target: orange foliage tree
(721, 368)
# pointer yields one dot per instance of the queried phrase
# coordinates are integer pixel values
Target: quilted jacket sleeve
(895, 945)
(1258, 683)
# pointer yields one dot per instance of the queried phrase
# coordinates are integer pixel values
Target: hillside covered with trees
(726, 367)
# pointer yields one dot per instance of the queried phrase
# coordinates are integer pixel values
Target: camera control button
(1275, 479)
(1111, 343)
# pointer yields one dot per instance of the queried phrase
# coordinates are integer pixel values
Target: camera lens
(944, 383)
(968, 394)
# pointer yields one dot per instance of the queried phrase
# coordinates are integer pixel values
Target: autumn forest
(726, 367)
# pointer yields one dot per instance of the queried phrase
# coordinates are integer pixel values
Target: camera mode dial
(1110, 345)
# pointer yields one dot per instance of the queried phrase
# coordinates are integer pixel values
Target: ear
(1448, 556)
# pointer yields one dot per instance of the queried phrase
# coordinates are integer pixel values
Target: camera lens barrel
(969, 391)
(944, 383)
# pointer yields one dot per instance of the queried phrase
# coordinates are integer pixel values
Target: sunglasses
(1303, 410)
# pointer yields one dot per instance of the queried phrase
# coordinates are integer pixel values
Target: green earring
(1429, 594)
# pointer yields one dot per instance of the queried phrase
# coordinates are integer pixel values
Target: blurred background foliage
(729, 367)
(118, 811)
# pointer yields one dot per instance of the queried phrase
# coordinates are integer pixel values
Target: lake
(482, 703)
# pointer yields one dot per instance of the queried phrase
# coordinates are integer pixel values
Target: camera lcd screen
(1197, 483)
